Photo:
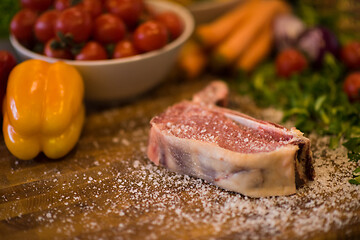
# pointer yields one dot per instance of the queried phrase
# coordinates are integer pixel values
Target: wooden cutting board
(107, 188)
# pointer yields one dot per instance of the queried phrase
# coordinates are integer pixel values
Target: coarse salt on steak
(230, 149)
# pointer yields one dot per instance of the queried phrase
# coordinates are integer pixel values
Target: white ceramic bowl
(122, 79)
(207, 11)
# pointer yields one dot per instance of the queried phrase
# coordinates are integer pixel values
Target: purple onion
(316, 43)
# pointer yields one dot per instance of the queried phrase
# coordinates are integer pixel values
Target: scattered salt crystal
(136, 164)
(143, 149)
(125, 142)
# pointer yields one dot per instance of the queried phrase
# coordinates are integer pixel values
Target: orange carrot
(257, 51)
(212, 33)
(192, 59)
(236, 44)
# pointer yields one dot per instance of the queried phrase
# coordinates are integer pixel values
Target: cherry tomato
(36, 5)
(350, 55)
(62, 4)
(108, 28)
(124, 48)
(7, 63)
(150, 35)
(289, 62)
(22, 25)
(50, 51)
(172, 22)
(76, 22)
(128, 10)
(45, 25)
(352, 86)
(92, 51)
(94, 7)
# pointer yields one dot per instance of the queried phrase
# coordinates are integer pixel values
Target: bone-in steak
(230, 149)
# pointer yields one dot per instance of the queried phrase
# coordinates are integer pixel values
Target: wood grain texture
(107, 188)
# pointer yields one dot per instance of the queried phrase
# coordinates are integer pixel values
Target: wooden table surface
(106, 188)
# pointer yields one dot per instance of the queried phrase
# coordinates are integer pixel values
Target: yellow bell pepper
(43, 109)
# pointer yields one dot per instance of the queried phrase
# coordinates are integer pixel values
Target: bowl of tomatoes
(122, 51)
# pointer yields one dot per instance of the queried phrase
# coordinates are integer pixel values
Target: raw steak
(217, 92)
(230, 149)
